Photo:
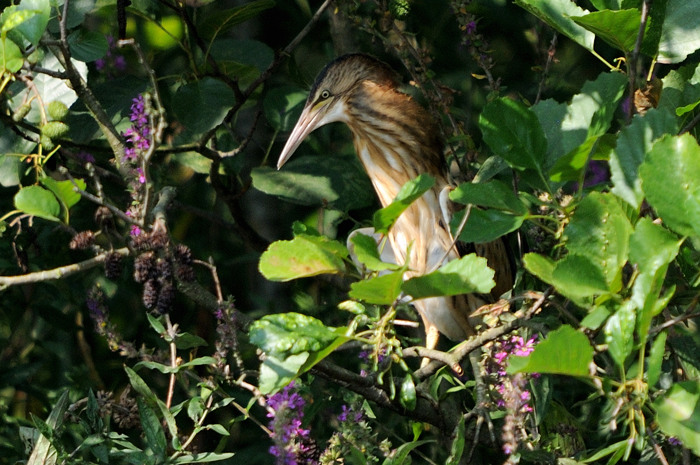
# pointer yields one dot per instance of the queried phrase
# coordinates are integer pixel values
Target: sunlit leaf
(302, 257)
(37, 201)
(564, 351)
(678, 413)
(633, 142)
(558, 15)
(619, 333)
(382, 290)
(493, 194)
(671, 181)
(384, 218)
(463, 276)
(618, 28)
(285, 334)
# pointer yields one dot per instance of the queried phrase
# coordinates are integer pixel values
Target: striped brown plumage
(397, 140)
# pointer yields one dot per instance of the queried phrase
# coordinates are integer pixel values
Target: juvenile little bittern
(396, 140)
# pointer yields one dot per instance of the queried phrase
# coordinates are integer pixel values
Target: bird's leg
(480, 410)
(432, 335)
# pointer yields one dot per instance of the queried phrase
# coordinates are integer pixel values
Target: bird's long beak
(309, 120)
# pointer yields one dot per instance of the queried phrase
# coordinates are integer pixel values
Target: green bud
(57, 110)
(54, 129)
(21, 112)
(47, 143)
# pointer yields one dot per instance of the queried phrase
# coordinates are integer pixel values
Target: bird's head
(334, 87)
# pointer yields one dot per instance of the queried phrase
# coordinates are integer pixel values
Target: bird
(396, 140)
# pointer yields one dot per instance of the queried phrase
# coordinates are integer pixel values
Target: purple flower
(471, 28)
(138, 135)
(292, 443)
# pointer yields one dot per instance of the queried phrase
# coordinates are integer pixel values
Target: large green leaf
(579, 278)
(364, 248)
(87, 46)
(64, 191)
(485, 225)
(494, 194)
(617, 28)
(600, 230)
(678, 413)
(11, 57)
(514, 133)
(633, 142)
(212, 99)
(334, 181)
(564, 351)
(558, 13)
(671, 181)
(680, 35)
(217, 21)
(285, 334)
(463, 276)
(619, 333)
(276, 373)
(384, 218)
(652, 249)
(302, 257)
(30, 18)
(589, 115)
(37, 201)
(283, 106)
(381, 290)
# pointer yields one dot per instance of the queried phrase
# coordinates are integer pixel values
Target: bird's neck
(395, 139)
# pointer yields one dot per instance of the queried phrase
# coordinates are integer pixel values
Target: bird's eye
(324, 94)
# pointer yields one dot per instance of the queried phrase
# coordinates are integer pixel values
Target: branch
(60, 272)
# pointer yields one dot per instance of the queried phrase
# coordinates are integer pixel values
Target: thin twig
(60, 272)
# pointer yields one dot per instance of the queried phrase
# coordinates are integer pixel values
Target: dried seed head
(82, 240)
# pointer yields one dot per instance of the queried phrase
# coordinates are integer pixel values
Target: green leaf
(680, 35)
(382, 290)
(493, 194)
(212, 99)
(302, 257)
(384, 218)
(457, 448)
(44, 453)
(186, 341)
(152, 429)
(242, 57)
(285, 334)
(400, 455)
(365, 250)
(570, 167)
(671, 181)
(652, 249)
(565, 351)
(202, 457)
(578, 278)
(633, 142)
(218, 21)
(540, 266)
(283, 106)
(655, 359)
(463, 276)
(86, 45)
(276, 373)
(11, 57)
(64, 191)
(407, 395)
(485, 225)
(30, 18)
(619, 333)
(617, 28)
(588, 115)
(337, 182)
(37, 201)
(600, 231)
(558, 15)
(678, 413)
(514, 133)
